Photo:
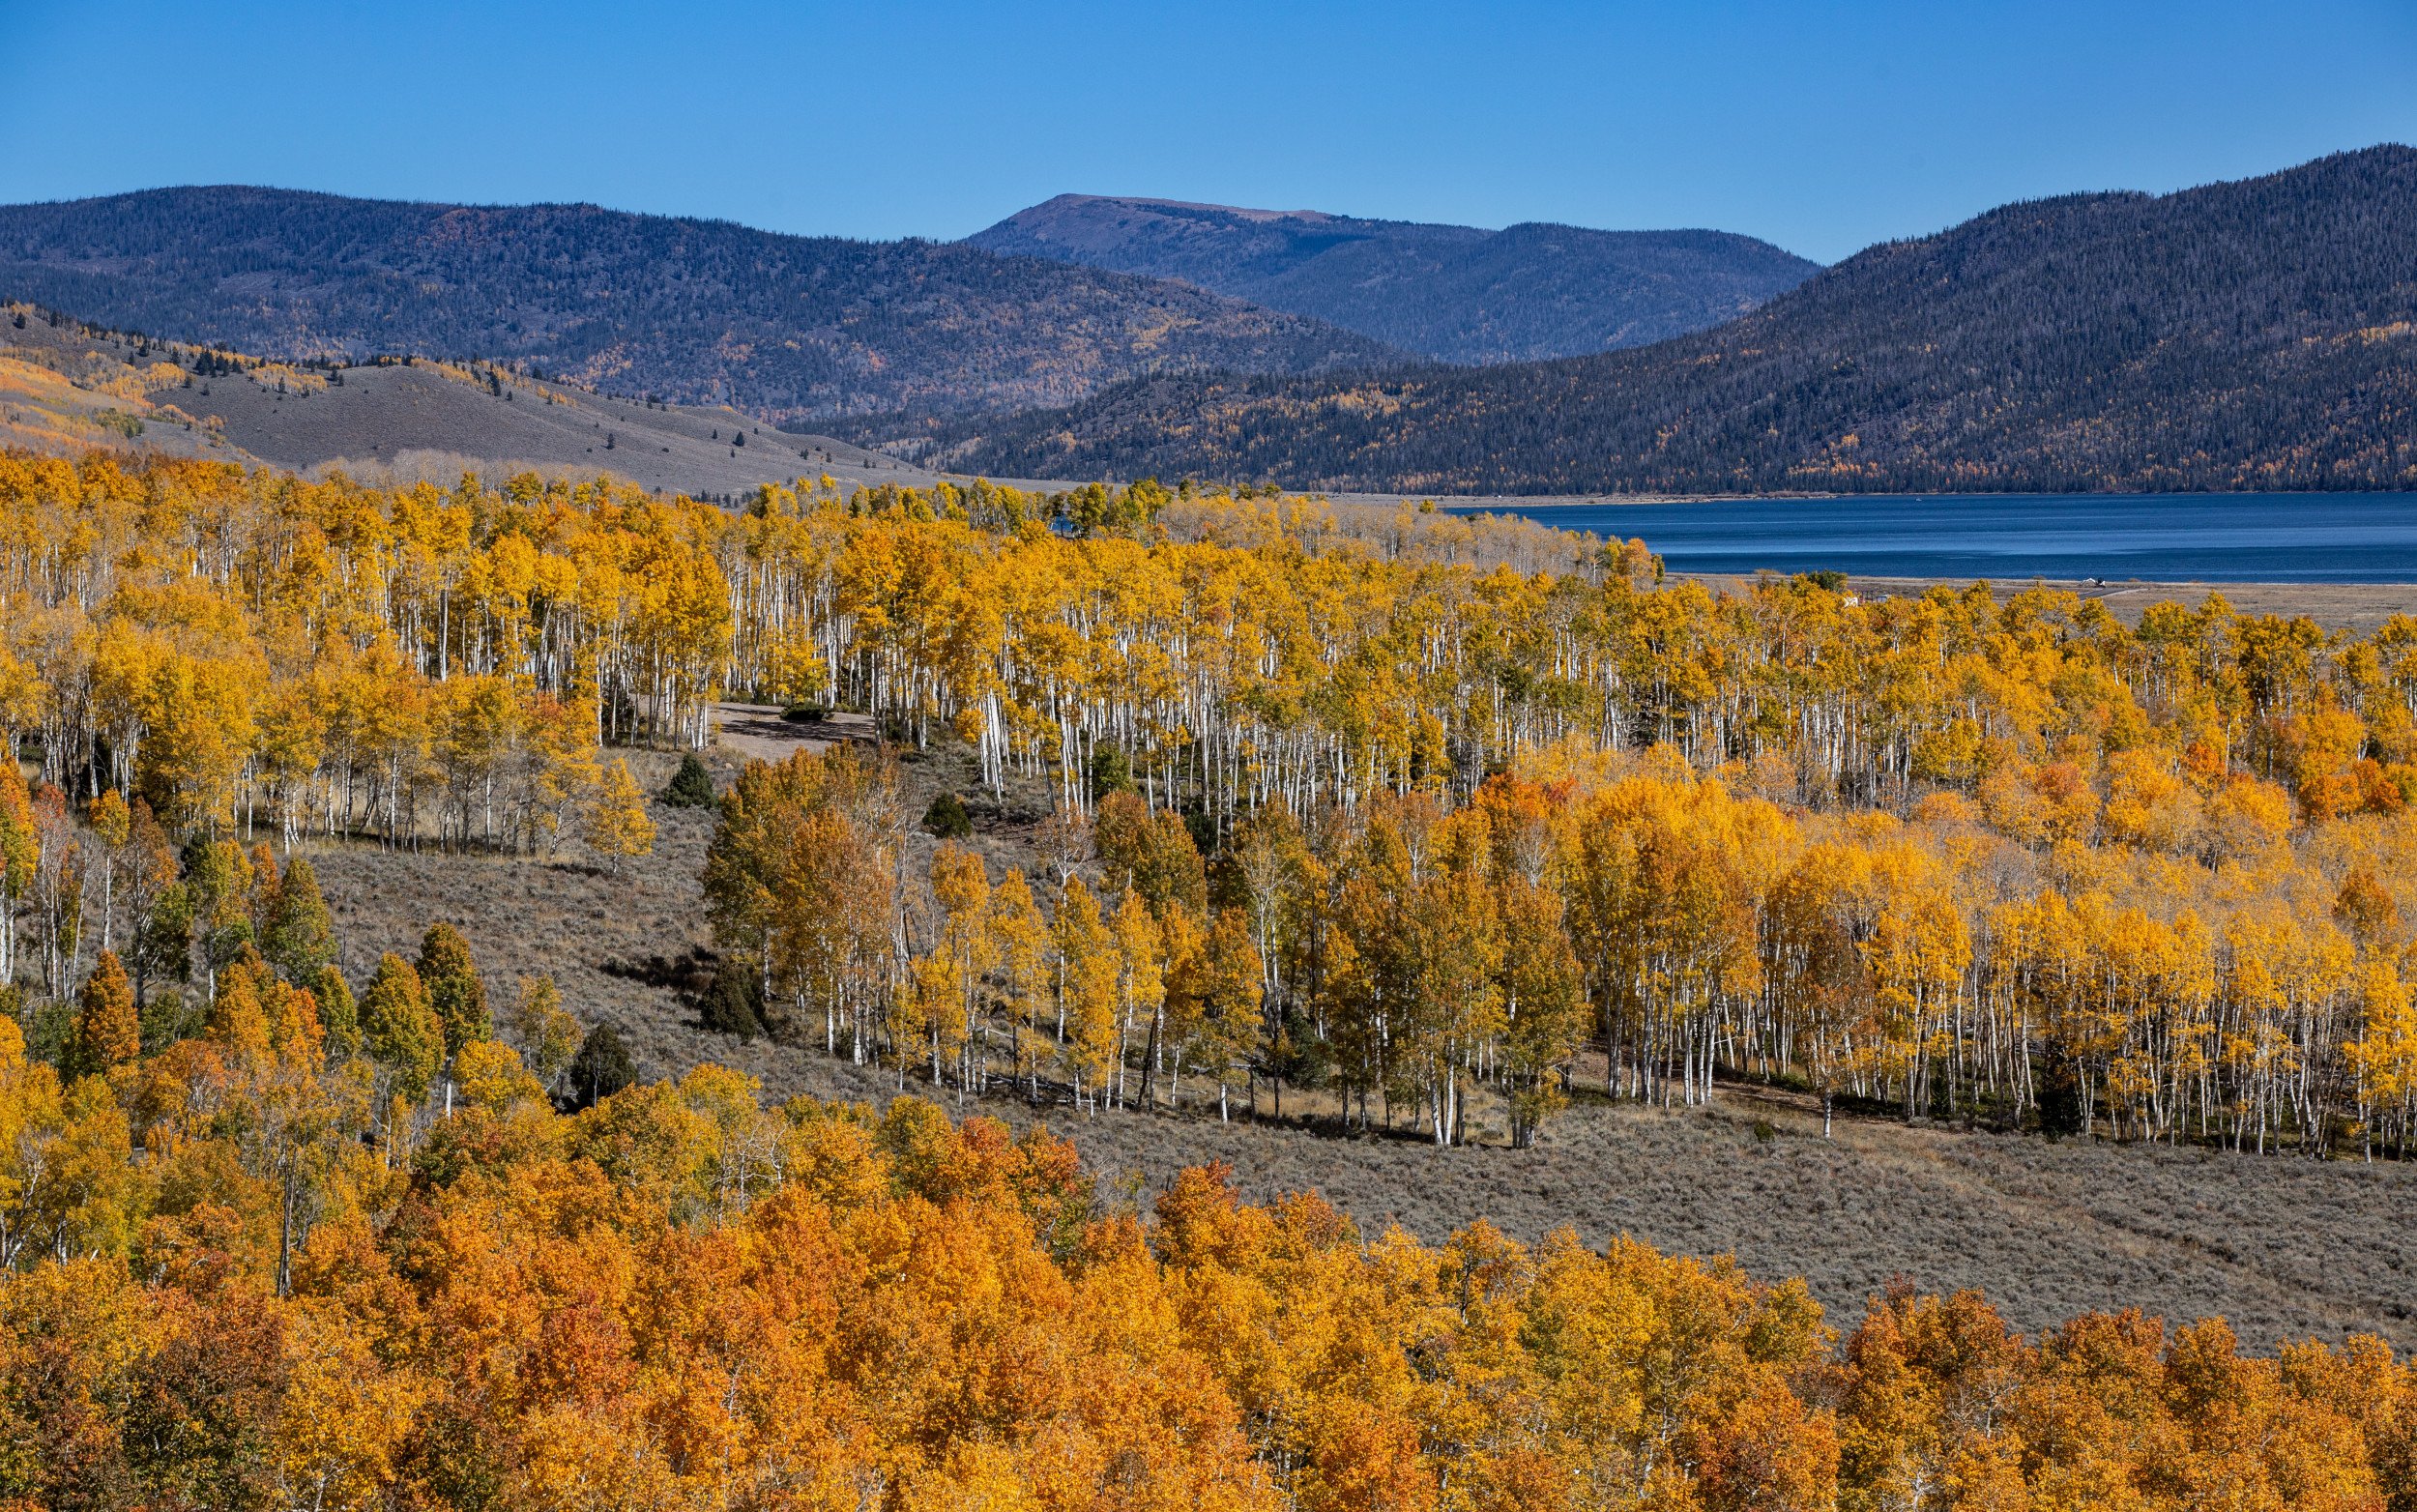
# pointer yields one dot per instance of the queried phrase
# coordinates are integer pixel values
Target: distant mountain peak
(1463, 294)
(1062, 204)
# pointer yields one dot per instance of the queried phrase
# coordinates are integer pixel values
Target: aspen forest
(1393, 808)
(1394, 822)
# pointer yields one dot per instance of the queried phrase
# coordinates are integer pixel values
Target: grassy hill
(2260, 333)
(787, 327)
(66, 387)
(1456, 293)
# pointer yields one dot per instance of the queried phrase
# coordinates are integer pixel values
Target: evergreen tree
(734, 1005)
(601, 1068)
(691, 786)
(947, 819)
(1110, 771)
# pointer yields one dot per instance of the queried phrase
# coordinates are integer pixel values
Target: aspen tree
(112, 825)
(961, 887)
(455, 991)
(400, 1031)
(300, 935)
(1084, 953)
(1023, 940)
(1141, 981)
(616, 825)
(108, 1034)
(548, 1036)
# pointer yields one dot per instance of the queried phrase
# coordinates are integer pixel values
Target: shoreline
(2361, 609)
(1463, 504)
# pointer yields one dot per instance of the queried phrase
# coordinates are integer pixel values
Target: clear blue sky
(1823, 127)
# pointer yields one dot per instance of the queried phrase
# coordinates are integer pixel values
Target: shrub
(947, 819)
(735, 1005)
(691, 786)
(602, 1068)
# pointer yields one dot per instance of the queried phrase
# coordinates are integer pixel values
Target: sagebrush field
(2284, 1249)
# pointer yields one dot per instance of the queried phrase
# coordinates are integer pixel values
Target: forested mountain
(700, 311)
(1457, 293)
(2257, 334)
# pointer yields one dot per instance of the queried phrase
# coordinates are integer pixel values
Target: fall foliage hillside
(679, 1298)
(1986, 936)
(2250, 334)
(2284, 1250)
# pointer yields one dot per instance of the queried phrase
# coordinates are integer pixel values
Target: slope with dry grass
(66, 388)
(2283, 1248)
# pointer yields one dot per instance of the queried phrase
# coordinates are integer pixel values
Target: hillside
(419, 669)
(2258, 333)
(1456, 293)
(787, 327)
(2284, 1249)
(66, 387)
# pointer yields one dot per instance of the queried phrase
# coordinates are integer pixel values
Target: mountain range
(1457, 294)
(788, 328)
(2260, 333)
(798, 329)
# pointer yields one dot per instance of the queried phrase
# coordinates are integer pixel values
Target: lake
(2297, 537)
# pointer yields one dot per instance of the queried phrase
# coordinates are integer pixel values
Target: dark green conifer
(947, 819)
(601, 1068)
(691, 786)
(734, 1005)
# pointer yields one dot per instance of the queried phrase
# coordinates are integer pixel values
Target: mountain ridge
(2258, 332)
(703, 311)
(1457, 294)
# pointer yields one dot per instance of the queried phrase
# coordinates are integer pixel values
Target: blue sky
(1823, 127)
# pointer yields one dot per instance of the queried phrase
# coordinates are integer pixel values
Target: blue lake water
(2297, 537)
